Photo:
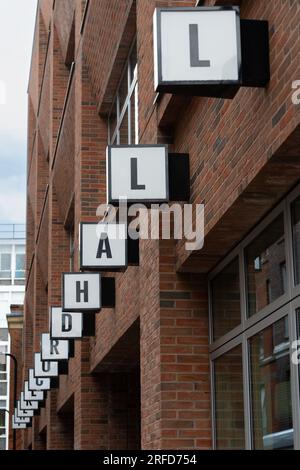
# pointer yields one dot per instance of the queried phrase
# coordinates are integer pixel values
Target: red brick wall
(237, 150)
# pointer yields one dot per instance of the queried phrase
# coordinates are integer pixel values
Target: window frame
(132, 95)
(286, 305)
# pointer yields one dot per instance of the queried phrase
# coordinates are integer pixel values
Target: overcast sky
(17, 18)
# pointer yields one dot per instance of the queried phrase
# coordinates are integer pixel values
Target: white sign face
(28, 405)
(36, 395)
(37, 383)
(24, 413)
(196, 45)
(19, 420)
(137, 173)
(81, 291)
(103, 246)
(44, 368)
(54, 349)
(65, 324)
(17, 424)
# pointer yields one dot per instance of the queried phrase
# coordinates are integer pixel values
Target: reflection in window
(225, 295)
(229, 404)
(296, 238)
(272, 424)
(266, 267)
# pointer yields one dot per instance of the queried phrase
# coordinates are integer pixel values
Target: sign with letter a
(103, 246)
(81, 292)
(137, 173)
(65, 325)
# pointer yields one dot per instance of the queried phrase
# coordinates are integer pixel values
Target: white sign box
(65, 324)
(24, 413)
(28, 404)
(44, 368)
(103, 246)
(137, 173)
(194, 46)
(17, 423)
(54, 349)
(20, 420)
(81, 292)
(37, 383)
(36, 395)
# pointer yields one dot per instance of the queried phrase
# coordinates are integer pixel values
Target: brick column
(175, 395)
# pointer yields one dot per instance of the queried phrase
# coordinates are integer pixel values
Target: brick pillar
(91, 391)
(15, 327)
(175, 381)
(91, 404)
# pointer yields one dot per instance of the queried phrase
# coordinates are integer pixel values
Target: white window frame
(132, 95)
(286, 305)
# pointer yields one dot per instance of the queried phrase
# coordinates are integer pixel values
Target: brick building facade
(145, 379)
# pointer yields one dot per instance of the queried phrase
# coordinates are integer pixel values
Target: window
(2, 443)
(265, 267)
(296, 238)
(3, 334)
(19, 273)
(225, 294)
(272, 422)
(3, 389)
(123, 118)
(5, 262)
(229, 400)
(254, 317)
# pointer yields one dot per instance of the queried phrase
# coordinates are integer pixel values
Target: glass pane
(229, 401)
(2, 403)
(123, 89)
(296, 238)
(133, 119)
(266, 267)
(5, 248)
(225, 294)
(3, 334)
(2, 444)
(133, 62)
(5, 261)
(113, 121)
(271, 388)
(2, 418)
(20, 261)
(124, 130)
(3, 388)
